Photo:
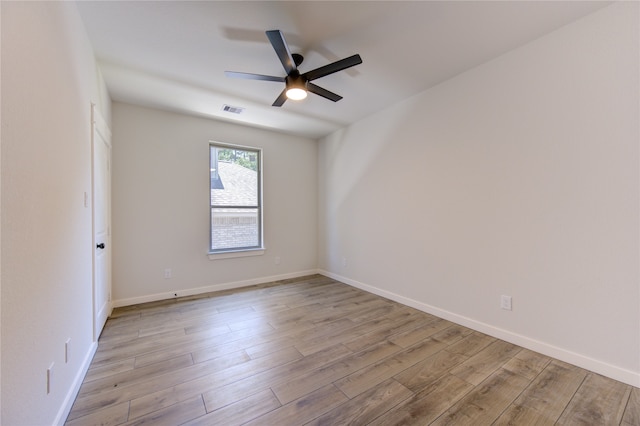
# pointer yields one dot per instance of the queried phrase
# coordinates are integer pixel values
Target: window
(236, 198)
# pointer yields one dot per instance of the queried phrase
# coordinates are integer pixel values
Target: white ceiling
(172, 54)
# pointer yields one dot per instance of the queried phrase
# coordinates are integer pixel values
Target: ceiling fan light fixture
(296, 93)
(297, 85)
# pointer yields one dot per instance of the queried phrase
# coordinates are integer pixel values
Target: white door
(101, 204)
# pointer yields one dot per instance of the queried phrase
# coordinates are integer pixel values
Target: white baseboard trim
(208, 289)
(75, 387)
(623, 375)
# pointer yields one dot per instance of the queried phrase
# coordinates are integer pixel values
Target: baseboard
(626, 376)
(75, 387)
(208, 289)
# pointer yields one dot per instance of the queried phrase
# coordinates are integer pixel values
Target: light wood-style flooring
(314, 351)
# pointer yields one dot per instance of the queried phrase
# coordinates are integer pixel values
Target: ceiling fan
(297, 85)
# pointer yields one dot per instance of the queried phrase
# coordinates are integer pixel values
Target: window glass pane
(234, 228)
(234, 177)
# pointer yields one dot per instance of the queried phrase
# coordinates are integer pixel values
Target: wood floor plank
(367, 406)
(208, 349)
(221, 396)
(263, 349)
(137, 375)
(123, 350)
(213, 330)
(376, 373)
(399, 326)
(480, 366)
(124, 313)
(110, 416)
(546, 397)
(632, 411)
(173, 415)
(382, 310)
(527, 363)
(325, 294)
(193, 323)
(364, 379)
(101, 371)
(309, 345)
(239, 412)
(303, 409)
(391, 311)
(317, 351)
(599, 400)
(115, 333)
(246, 324)
(84, 405)
(471, 344)
(427, 405)
(170, 392)
(124, 341)
(352, 311)
(329, 373)
(145, 320)
(428, 371)
(295, 315)
(411, 337)
(484, 403)
(318, 338)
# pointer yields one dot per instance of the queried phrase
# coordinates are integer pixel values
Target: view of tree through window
(236, 216)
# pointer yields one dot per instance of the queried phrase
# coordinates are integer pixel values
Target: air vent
(232, 109)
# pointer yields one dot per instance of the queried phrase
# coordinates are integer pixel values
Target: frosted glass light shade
(296, 93)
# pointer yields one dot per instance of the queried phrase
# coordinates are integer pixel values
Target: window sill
(234, 254)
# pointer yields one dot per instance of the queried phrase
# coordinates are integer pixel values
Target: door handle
(100, 246)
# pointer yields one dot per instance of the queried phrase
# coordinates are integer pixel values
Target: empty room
(320, 213)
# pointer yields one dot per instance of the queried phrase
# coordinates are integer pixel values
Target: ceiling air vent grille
(232, 109)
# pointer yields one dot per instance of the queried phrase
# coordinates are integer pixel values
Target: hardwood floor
(313, 351)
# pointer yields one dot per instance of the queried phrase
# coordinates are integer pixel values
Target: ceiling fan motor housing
(296, 80)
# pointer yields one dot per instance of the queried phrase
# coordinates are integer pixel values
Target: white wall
(519, 177)
(49, 80)
(161, 205)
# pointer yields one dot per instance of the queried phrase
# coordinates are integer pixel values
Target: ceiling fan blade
(282, 50)
(283, 97)
(323, 92)
(333, 67)
(250, 76)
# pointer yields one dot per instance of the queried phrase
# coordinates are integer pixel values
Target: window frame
(244, 251)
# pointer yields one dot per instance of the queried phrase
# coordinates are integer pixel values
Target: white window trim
(238, 253)
(252, 251)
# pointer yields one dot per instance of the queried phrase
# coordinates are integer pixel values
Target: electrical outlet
(277, 260)
(168, 273)
(505, 302)
(344, 261)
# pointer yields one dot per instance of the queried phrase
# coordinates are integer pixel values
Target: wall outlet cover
(505, 302)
